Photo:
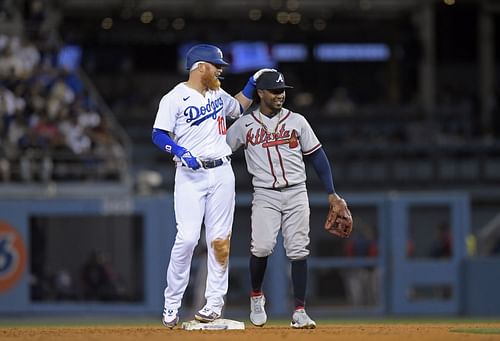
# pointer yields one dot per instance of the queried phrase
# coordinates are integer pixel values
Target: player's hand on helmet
(256, 75)
(187, 159)
(249, 89)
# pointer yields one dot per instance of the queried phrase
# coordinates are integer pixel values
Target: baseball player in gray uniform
(275, 141)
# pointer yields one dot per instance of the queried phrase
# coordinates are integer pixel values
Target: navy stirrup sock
(299, 281)
(257, 270)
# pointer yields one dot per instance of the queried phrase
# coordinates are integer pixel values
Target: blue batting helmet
(204, 53)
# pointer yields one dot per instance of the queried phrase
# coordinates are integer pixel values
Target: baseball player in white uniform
(191, 125)
(275, 140)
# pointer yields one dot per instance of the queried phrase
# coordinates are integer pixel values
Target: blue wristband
(249, 89)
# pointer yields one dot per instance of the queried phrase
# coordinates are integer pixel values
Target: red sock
(255, 293)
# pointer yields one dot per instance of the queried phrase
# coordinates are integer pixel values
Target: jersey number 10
(221, 124)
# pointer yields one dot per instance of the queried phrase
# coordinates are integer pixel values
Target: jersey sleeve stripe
(315, 148)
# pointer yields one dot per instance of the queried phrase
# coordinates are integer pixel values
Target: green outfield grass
(476, 330)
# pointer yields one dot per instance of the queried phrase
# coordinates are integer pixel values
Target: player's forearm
(322, 167)
(163, 141)
(244, 101)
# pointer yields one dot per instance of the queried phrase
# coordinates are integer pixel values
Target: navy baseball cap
(270, 80)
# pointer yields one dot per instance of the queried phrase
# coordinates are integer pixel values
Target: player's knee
(262, 251)
(221, 248)
(297, 254)
(188, 242)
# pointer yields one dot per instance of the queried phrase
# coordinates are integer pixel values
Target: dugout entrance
(428, 242)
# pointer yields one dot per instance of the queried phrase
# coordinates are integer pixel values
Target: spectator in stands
(108, 151)
(362, 243)
(28, 54)
(34, 16)
(361, 283)
(98, 278)
(7, 101)
(7, 108)
(88, 117)
(4, 42)
(339, 104)
(4, 165)
(64, 288)
(36, 97)
(44, 109)
(16, 134)
(60, 96)
(10, 63)
(6, 10)
(74, 135)
(47, 133)
(72, 80)
(441, 248)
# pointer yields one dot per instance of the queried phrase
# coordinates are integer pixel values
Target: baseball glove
(339, 219)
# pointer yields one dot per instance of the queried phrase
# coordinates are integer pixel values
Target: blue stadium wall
(470, 283)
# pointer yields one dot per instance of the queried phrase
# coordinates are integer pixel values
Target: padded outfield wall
(108, 254)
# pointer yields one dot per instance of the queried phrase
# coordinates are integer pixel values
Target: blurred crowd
(453, 122)
(50, 127)
(46, 111)
(95, 280)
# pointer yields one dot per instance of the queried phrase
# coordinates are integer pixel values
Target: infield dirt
(351, 332)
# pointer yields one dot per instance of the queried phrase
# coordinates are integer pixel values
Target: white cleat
(300, 320)
(258, 315)
(206, 315)
(170, 318)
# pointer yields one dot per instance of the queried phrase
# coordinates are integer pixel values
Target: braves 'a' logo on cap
(280, 78)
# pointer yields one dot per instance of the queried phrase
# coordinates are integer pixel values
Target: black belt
(214, 163)
(281, 189)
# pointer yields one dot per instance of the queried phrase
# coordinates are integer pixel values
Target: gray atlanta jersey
(274, 147)
(198, 122)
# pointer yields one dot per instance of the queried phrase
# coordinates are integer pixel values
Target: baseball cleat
(206, 315)
(170, 318)
(258, 315)
(300, 320)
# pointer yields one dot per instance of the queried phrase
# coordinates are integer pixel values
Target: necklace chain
(265, 126)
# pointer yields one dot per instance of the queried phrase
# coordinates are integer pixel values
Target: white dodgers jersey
(274, 147)
(198, 122)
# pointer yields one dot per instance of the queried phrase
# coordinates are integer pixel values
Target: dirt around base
(350, 332)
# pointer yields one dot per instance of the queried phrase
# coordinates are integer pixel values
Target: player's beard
(273, 105)
(210, 81)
